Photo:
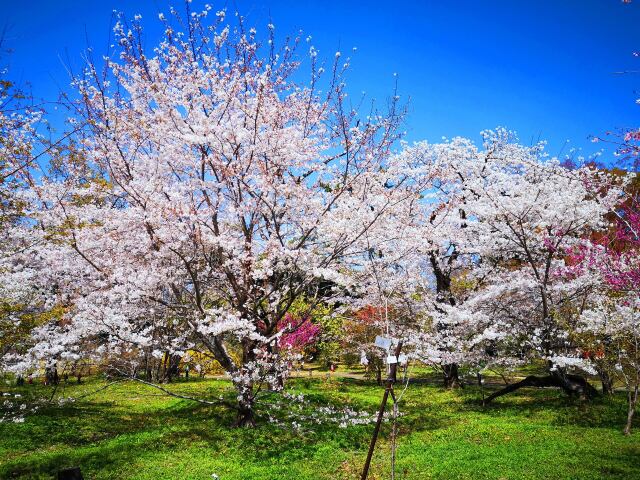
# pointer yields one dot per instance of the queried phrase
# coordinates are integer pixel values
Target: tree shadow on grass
(96, 436)
(104, 438)
(551, 406)
(101, 437)
(619, 465)
(94, 458)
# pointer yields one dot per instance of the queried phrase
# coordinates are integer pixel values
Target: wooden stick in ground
(391, 379)
(394, 433)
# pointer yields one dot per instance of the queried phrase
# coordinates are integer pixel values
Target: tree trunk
(632, 399)
(172, 370)
(157, 371)
(574, 384)
(246, 417)
(165, 378)
(451, 376)
(570, 384)
(606, 381)
(51, 375)
(443, 288)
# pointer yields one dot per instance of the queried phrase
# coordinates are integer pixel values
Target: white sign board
(383, 342)
(363, 359)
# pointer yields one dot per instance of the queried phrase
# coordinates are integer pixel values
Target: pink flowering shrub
(299, 332)
(613, 254)
(608, 321)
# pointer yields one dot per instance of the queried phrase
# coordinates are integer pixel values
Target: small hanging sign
(392, 359)
(383, 342)
(402, 359)
(363, 359)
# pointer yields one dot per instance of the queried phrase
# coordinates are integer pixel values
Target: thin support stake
(391, 379)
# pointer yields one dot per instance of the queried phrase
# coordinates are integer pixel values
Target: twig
(183, 397)
(104, 387)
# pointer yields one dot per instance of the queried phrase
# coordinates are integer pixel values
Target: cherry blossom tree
(502, 218)
(17, 138)
(445, 254)
(219, 188)
(19, 144)
(530, 210)
(609, 325)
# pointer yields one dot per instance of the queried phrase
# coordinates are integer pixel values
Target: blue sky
(544, 68)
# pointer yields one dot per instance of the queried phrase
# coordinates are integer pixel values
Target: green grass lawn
(130, 431)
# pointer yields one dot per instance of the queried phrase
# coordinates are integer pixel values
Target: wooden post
(391, 379)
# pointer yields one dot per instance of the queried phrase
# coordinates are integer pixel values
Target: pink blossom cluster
(298, 332)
